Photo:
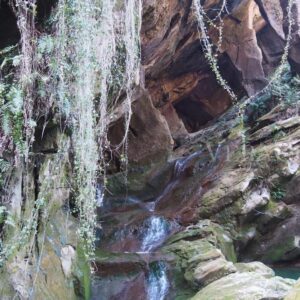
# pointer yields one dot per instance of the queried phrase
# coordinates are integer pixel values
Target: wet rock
(294, 293)
(118, 264)
(129, 275)
(248, 286)
(131, 286)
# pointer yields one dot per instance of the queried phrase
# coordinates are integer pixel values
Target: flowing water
(157, 230)
(142, 229)
(157, 281)
(104, 36)
(138, 230)
(182, 163)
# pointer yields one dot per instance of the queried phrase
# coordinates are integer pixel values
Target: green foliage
(278, 193)
(287, 89)
(11, 98)
(4, 167)
(23, 233)
(11, 102)
(284, 90)
(2, 214)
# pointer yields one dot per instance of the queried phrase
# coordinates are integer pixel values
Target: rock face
(149, 136)
(294, 293)
(207, 197)
(199, 255)
(177, 73)
(248, 285)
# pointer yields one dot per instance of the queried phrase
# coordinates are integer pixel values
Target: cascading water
(157, 281)
(156, 231)
(182, 163)
(180, 166)
(99, 195)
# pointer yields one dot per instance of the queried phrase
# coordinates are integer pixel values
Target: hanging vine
(82, 69)
(217, 23)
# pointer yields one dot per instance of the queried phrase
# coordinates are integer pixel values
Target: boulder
(198, 253)
(294, 293)
(227, 189)
(255, 266)
(246, 286)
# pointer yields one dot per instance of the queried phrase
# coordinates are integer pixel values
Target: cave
(9, 33)
(193, 114)
(208, 99)
(44, 8)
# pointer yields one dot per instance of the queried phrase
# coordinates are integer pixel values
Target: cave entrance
(44, 9)
(9, 33)
(193, 114)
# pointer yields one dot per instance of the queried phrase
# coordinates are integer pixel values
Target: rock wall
(220, 195)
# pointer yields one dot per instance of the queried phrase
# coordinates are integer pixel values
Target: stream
(129, 262)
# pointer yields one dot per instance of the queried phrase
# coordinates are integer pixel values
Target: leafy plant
(278, 193)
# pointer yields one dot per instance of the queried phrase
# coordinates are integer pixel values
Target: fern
(4, 167)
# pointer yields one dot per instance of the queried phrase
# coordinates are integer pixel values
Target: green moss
(83, 270)
(6, 290)
(278, 252)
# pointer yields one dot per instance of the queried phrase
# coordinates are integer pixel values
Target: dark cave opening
(9, 33)
(208, 100)
(44, 9)
(193, 114)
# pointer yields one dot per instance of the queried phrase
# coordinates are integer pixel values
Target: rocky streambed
(214, 225)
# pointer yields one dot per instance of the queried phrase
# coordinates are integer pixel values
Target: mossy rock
(246, 286)
(255, 266)
(199, 252)
(212, 232)
(228, 189)
(6, 290)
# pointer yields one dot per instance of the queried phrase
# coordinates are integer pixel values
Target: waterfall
(182, 163)
(99, 195)
(157, 282)
(157, 229)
